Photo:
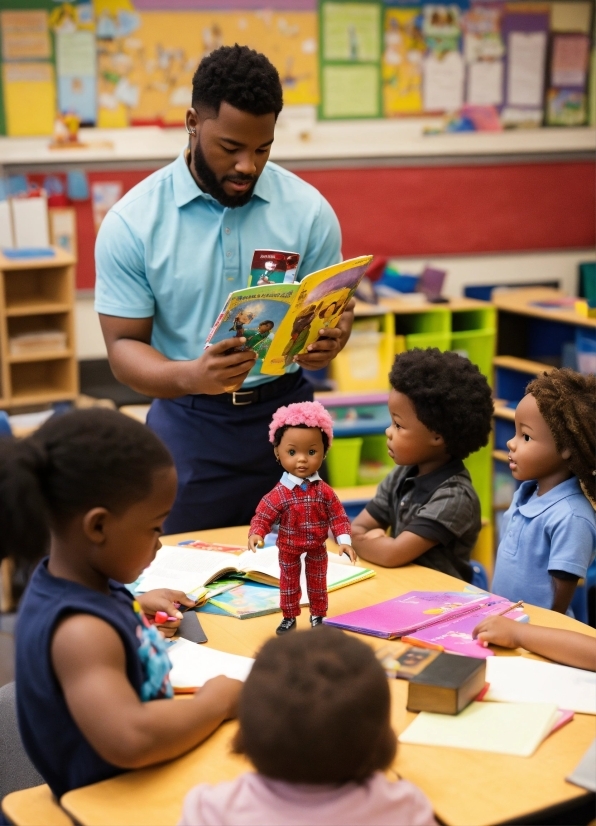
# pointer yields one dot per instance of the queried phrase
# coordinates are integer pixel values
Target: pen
(161, 616)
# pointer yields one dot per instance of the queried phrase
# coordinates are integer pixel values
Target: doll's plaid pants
(316, 581)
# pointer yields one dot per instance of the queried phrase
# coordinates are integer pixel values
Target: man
(167, 256)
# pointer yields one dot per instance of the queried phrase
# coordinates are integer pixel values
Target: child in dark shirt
(92, 681)
(441, 409)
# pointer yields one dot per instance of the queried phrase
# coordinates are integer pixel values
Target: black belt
(253, 395)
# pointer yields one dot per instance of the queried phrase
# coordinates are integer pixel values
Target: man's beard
(210, 183)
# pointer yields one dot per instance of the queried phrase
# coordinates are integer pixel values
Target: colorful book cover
(279, 321)
(249, 599)
(404, 614)
(273, 267)
(454, 634)
(213, 546)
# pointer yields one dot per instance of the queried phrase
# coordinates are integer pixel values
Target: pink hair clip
(311, 414)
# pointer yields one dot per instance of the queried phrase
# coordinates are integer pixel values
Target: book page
(184, 569)
(193, 665)
(522, 680)
(504, 728)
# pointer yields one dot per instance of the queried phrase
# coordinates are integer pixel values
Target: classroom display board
(119, 63)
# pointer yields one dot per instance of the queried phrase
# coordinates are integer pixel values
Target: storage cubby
(37, 296)
(364, 363)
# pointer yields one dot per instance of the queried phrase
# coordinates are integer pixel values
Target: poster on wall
(104, 194)
(566, 103)
(526, 39)
(351, 38)
(404, 50)
(443, 65)
(484, 53)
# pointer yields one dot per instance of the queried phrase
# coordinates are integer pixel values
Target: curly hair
(301, 414)
(567, 403)
(239, 76)
(450, 395)
(315, 709)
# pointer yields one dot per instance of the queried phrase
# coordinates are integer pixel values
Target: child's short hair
(450, 395)
(316, 709)
(74, 462)
(567, 403)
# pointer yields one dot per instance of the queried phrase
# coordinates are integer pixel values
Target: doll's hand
(255, 541)
(162, 603)
(349, 551)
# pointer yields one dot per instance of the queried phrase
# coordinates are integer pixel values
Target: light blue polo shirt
(171, 251)
(556, 532)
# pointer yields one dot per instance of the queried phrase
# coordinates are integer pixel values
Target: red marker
(161, 617)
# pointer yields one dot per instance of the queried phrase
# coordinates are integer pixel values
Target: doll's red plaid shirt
(304, 516)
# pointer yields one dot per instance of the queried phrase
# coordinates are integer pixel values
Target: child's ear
(566, 454)
(94, 523)
(438, 439)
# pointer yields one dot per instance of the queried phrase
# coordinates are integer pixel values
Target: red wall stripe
(399, 211)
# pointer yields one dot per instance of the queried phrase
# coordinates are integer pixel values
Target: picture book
(441, 620)
(455, 633)
(193, 665)
(273, 267)
(246, 600)
(279, 321)
(504, 728)
(190, 570)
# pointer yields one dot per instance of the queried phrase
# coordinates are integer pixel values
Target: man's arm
(372, 544)
(137, 364)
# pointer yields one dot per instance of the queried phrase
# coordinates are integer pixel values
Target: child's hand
(498, 630)
(349, 551)
(161, 605)
(225, 691)
(255, 541)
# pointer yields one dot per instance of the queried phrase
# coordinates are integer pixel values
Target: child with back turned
(92, 680)
(314, 718)
(548, 535)
(441, 409)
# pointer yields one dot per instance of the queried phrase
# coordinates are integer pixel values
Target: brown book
(444, 683)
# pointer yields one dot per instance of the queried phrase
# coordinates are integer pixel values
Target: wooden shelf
(50, 355)
(522, 301)
(501, 456)
(41, 396)
(37, 307)
(521, 365)
(60, 258)
(504, 413)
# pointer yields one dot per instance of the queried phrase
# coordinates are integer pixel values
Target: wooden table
(467, 788)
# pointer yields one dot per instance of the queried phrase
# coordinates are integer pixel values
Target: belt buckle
(241, 393)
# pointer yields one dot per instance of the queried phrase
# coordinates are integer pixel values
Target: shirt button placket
(230, 246)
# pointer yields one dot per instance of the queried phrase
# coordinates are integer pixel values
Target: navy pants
(222, 453)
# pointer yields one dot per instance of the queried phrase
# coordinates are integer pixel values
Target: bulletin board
(120, 63)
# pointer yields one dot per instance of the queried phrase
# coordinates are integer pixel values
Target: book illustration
(273, 267)
(279, 321)
(248, 599)
(213, 546)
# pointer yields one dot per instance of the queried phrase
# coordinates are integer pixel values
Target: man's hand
(330, 341)
(220, 371)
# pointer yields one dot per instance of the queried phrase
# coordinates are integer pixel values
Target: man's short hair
(240, 76)
(450, 395)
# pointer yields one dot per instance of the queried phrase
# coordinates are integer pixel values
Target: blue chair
(579, 603)
(5, 428)
(479, 575)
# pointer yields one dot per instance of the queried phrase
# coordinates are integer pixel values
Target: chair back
(16, 770)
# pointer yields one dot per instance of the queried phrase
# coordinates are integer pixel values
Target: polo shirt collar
(186, 188)
(424, 486)
(538, 504)
(289, 481)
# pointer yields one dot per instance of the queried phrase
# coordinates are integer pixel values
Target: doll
(305, 507)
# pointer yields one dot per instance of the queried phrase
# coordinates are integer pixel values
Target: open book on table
(188, 570)
(193, 665)
(279, 321)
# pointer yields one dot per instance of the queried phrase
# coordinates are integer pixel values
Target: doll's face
(301, 451)
(532, 451)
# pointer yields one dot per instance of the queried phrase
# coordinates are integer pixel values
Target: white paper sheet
(193, 665)
(522, 680)
(525, 76)
(443, 87)
(485, 83)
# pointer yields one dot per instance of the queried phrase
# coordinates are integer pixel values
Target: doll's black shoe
(287, 624)
(314, 621)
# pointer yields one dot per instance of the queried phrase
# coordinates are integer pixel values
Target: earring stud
(191, 131)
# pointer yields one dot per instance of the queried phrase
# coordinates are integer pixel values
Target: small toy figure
(305, 507)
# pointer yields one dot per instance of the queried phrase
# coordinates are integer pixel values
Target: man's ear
(94, 523)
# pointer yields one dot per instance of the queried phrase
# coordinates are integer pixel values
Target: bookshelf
(531, 339)
(37, 297)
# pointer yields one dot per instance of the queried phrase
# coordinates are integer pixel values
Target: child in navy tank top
(92, 686)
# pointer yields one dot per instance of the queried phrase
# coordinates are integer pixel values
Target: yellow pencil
(507, 610)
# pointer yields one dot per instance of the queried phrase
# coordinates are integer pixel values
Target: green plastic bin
(478, 346)
(342, 460)
(375, 461)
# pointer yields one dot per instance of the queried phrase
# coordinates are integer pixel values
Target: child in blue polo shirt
(549, 532)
